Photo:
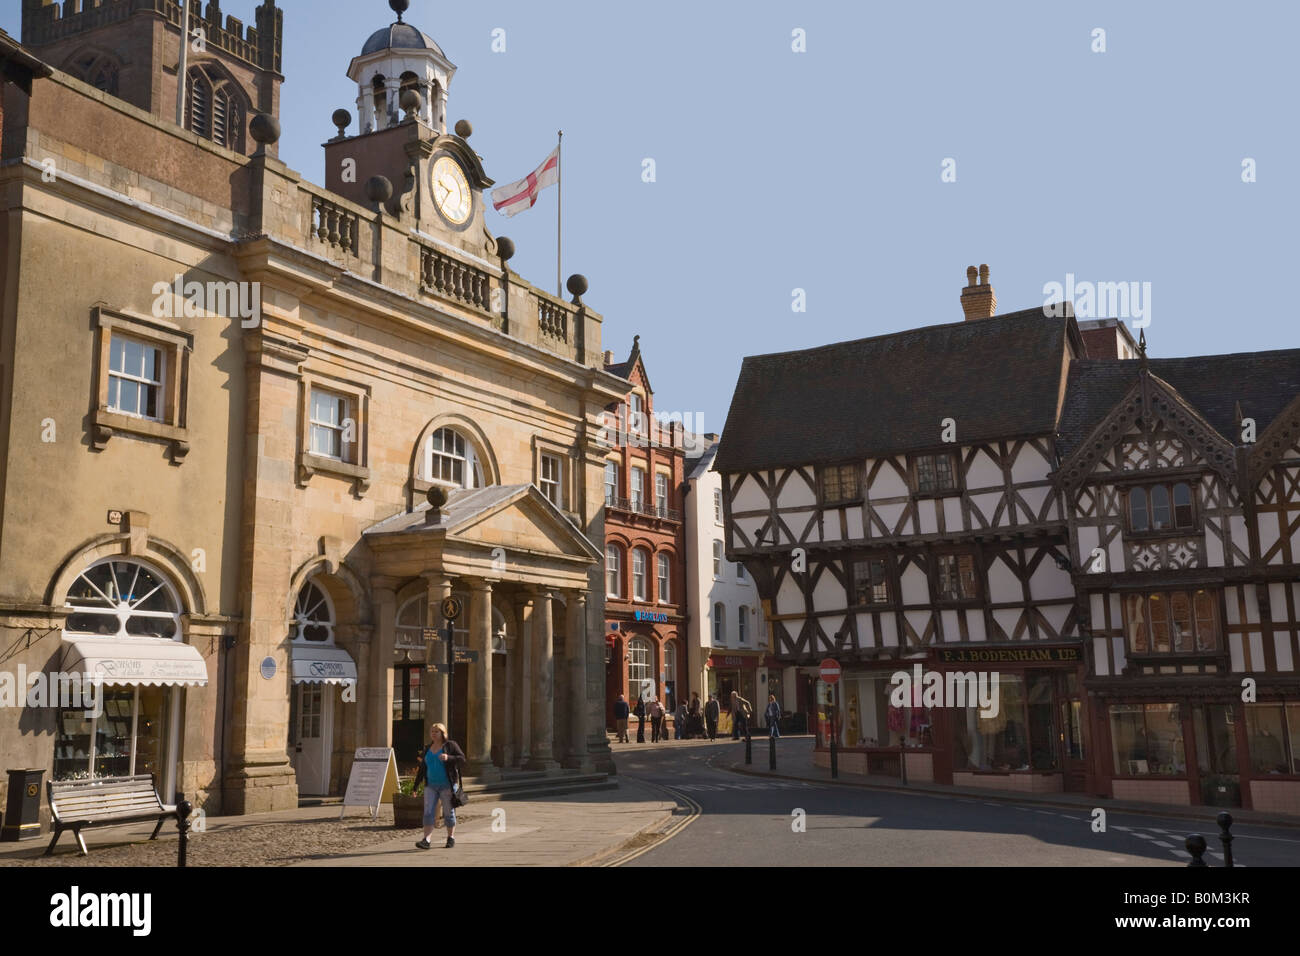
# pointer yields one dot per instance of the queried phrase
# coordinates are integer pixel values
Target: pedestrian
(679, 724)
(620, 720)
(695, 717)
(773, 716)
(740, 714)
(711, 712)
(656, 718)
(640, 720)
(439, 770)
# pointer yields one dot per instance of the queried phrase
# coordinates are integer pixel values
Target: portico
(523, 572)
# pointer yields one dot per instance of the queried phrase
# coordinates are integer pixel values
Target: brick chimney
(978, 300)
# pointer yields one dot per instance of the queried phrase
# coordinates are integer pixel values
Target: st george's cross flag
(522, 195)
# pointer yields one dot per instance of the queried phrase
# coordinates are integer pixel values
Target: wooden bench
(108, 801)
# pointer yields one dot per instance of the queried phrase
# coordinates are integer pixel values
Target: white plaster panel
(1234, 652)
(919, 620)
(952, 514)
(749, 528)
(853, 517)
(889, 630)
(1100, 656)
(1120, 654)
(796, 493)
(866, 630)
(1282, 649)
(915, 586)
(829, 594)
(1256, 650)
(926, 513)
(1268, 535)
(1034, 497)
(951, 628)
(1087, 541)
(986, 505)
(975, 627)
(1213, 550)
(984, 472)
(888, 483)
(747, 496)
(1004, 586)
(1056, 615)
(1097, 609)
(1049, 581)
(789, 598)
(890, 515)
(1030, 465)
(1006, 619)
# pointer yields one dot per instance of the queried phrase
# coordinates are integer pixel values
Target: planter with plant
(408, 806)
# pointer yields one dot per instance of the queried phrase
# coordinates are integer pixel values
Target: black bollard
(1196, 847)
(1225, 837)
(749, 749)
(771, 753)
(183, 809)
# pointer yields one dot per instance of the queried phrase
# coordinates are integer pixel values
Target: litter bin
(22, 819)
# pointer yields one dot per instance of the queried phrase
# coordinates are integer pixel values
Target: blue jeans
(431, 797)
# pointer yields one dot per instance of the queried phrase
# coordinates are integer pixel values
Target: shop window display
(1147, 740)
(865, 718)
(1274, 734)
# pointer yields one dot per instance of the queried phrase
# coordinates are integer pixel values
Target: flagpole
(559, 212)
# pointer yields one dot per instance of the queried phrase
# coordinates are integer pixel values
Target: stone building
(254, 430)
(1115, 539)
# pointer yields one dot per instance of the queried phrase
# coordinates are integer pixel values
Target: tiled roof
(996, 377)
(1263, 382)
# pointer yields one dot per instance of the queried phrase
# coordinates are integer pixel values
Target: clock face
(451, 191)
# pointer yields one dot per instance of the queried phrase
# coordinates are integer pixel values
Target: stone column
(392, 90)
(509, 747)
(377, 730)
(365, 112)
(575, 642)
(543, 749)
(523, 701)
(435, 652)
(478, 736)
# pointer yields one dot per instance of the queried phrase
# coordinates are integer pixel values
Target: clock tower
(403, 159)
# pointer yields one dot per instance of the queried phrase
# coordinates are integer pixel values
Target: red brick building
(645, 547)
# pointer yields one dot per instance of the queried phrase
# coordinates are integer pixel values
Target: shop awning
(135, 660)
(322, 665)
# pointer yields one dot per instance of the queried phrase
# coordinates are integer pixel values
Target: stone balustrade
(334, 225)
(441, 274)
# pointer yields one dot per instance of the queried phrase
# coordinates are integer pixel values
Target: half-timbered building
(1006, 496)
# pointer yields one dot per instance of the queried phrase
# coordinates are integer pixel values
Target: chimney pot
(978, 300)
(609, 357)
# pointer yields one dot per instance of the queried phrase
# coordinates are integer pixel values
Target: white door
(312, 733)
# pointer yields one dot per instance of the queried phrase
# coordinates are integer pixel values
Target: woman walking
(773, 716)
(439, 770)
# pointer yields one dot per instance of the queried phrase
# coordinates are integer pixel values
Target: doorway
(311, 727)
(408, 714)
(1216, 755)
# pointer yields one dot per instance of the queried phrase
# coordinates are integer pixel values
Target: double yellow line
(694, 810)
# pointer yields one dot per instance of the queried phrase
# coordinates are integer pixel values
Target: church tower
(131, 49)
(397, 58)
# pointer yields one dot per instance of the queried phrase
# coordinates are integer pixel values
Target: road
(744, 820)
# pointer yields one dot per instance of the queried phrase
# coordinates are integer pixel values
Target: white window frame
(717, 559)
(661, 495)
(335, 429)
(717, 506)
(719, 623)
(471, 468)
(551, 478)
(635, 414)
(664, 569)
(743, 631)
(636, 492)
(639, 560)
(611, 487)
(614, 566)
(144, 385)
(640, 662)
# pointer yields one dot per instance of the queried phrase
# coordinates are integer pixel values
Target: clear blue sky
(821, 170)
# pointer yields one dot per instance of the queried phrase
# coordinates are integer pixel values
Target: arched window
(123, 598)
(313, 615)
(1137, 509)
(639, 560)
(640, 677)
(613, 570)
(214, 107)
(665, 566)
(451, 460)
(719, 623)
(97, 69)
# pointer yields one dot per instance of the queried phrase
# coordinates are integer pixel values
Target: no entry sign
(831, 670)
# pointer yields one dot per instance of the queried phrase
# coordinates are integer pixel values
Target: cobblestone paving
(259, 844)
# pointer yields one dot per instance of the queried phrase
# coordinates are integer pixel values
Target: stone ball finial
(411, 101)
(463, 129)
(399, 7)
(379, 189)
(342, 119)
(970, 275)
(505, 248)
(577, 284)
(436, 496)
(264, 128)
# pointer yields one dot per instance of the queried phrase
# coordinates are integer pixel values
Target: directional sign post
(450, 611)
(830, 672)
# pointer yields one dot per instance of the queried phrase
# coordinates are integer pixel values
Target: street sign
(431, 634)
(451, 608)
(831, 670)
(465, 656)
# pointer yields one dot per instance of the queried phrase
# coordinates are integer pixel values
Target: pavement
(568, 830)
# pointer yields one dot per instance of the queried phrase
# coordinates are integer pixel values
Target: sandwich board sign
(372, 781)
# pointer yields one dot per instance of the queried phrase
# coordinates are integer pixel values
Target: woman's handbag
(458, 797)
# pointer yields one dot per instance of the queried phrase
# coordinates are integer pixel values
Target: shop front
(1199, 746)
(996, 717)
(736, 671)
